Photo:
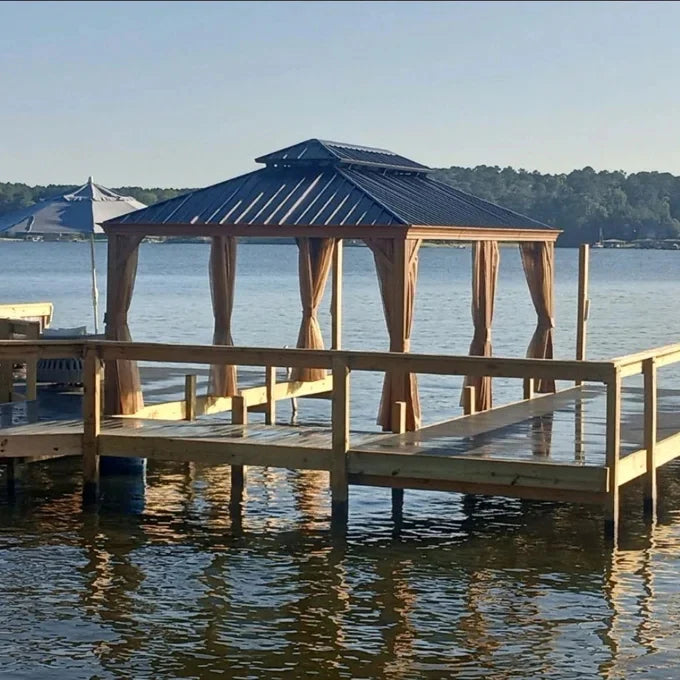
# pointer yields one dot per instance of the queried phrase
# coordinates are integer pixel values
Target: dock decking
(579, 445)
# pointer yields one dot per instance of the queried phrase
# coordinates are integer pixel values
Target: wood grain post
(650, 430)
(239, 416)
(611, 515)
(32, 366)
(336, 297)
(270, 383)
(398, 427)
(528, 388)
(6, 374)
(190, 397)
(340, 444)
(91, 425)
(583, 303)
(398, 318)
(469, 400)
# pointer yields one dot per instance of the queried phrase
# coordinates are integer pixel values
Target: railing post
(91, 425)
(239, 415)
(583, 303)
(611, 518)
(650, 418)
(32, 366)
(270, 382)
(398, 427)
(340, 443)
(190, 397)
(528, 388)
(6, 373)
(469, 400)
(336, 301)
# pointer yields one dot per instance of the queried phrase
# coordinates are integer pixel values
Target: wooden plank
(613, 451)
(582, 309)
(190, 397)
(462, 233)
(650, 436)
(492, 419)
(529, 493)
(91, 425)
(214, 451)
(336, 296)
(598, 371)
(340, 442)
(270, 385)
(47, 445)
(478, 471)
(41, 349)
(631, 364)
(28, 310)
(667, 449)
(469, 400)
(632, 466)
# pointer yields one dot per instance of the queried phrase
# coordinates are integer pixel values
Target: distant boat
(599, 243)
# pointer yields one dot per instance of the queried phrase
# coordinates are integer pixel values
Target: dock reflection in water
(169, 586)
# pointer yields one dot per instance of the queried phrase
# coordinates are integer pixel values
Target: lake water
(161, 584)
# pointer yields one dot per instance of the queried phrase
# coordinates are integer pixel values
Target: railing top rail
(437, 364)
(631, 364)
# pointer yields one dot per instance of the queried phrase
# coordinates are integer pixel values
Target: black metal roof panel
(339, 153)
(335, 186)
(291, 196)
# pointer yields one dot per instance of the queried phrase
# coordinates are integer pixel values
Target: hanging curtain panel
(397, 386)
(538, 260)
(122, 385)
(222, 381)
(485, 262)
(315, 257)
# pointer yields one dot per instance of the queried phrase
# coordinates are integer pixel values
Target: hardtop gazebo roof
(322, 188)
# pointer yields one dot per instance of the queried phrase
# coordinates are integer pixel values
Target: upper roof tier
(321, 183)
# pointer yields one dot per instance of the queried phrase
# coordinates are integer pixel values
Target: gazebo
(319, 193)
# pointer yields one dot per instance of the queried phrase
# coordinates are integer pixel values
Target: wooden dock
(578, 445)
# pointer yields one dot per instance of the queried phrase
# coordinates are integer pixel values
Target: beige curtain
(222, 381)
(538, 260)
(485, 262)
(315, 257)
(122, 386)
(384, 254)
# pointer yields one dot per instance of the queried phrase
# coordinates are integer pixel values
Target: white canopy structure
(80, 212)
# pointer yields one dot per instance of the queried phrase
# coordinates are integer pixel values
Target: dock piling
(650, 433)
(91, 425)
(340, 444)
(398, 427)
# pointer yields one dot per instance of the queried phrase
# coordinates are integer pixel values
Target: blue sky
(187, 94)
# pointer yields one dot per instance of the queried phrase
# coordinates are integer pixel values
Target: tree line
(584, 203)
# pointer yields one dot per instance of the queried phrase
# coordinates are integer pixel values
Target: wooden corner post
(583, 302)
(650, 432)
(340, 444)
(336, 301)
(611, 515)
(398, 339)
(92, 376)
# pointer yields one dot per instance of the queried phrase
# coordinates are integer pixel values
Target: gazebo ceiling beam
(395, 231)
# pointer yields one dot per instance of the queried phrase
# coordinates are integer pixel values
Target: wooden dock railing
(341, 363)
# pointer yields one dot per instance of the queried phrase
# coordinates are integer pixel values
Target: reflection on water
(162, 583)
